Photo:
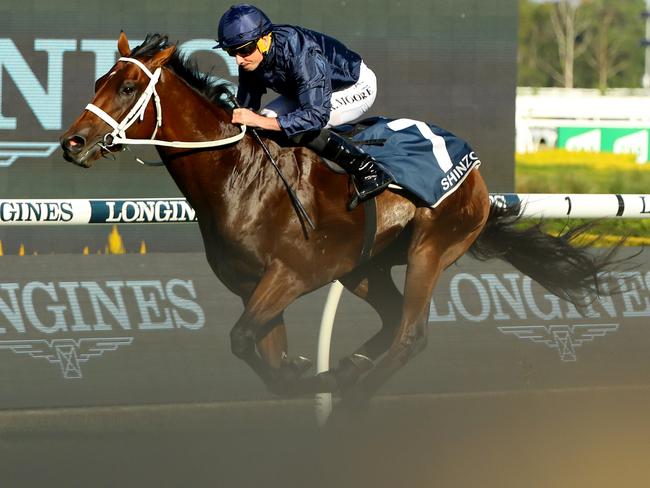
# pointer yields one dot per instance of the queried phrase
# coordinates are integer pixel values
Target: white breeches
(347, 104)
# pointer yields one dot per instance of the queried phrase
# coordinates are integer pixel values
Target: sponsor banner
(141, 211)
(174, 210)
(171, 210)
(79, 211)
(518, 307)
(105, 330)
(607, 139)
(113, 330)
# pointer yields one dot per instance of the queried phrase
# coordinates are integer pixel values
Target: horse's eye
(128, 90)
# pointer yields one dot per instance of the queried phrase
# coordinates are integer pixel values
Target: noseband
(118, 136)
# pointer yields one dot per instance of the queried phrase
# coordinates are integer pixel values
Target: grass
(560, 171)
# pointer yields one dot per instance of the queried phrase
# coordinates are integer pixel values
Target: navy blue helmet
(241, 24)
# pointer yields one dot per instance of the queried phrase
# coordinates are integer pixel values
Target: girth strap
(369, 229)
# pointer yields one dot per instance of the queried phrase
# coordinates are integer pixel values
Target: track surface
(552, 438)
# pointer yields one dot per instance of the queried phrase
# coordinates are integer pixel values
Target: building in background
(584, 120)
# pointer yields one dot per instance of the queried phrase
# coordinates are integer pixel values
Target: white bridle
(118, 136)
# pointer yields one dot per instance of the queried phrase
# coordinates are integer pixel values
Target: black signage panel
(107, 330)
(447, 62)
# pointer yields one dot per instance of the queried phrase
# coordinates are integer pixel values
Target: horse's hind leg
(433, 247)
(423, 271)
(374, 284)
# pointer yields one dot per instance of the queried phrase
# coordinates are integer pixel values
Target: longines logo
(95, 211)
(46, 100)
(563, 338)
(517, 306)
(88, 314)
(35, 211)
(10, 152)
(147, 211)
(67, 353)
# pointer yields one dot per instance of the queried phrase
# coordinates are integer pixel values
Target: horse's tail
(565, 268)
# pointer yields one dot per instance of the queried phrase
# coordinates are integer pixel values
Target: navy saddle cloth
(424, 159)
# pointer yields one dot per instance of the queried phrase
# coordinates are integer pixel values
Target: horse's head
(121, 106)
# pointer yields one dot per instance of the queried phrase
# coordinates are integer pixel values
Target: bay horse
(257, 246)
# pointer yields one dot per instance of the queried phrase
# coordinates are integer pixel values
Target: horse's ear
(123, 45)
(161, 57)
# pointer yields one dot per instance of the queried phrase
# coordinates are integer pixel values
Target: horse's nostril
(74, 143)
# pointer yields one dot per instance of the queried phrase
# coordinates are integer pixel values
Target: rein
(118, 136)
(300, 208)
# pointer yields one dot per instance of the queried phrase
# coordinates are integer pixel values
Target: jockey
(321, 83)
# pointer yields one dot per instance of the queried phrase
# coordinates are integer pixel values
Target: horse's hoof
(300, 365)
(351, 368)
(362, 362)
(286, 379)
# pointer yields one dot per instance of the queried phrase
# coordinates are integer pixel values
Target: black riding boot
(369, 178)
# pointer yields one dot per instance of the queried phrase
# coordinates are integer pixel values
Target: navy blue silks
(304, 65)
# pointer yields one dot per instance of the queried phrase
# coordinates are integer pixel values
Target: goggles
(242, 50)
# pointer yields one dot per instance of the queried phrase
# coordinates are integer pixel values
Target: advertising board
(120, 330)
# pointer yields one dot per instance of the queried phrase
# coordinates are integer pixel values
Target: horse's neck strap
(118, 136)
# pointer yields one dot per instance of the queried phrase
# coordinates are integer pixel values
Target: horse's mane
(213, 88)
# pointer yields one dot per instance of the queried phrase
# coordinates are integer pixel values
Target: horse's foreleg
(272, 342)
(261, 323)
(272, 345)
